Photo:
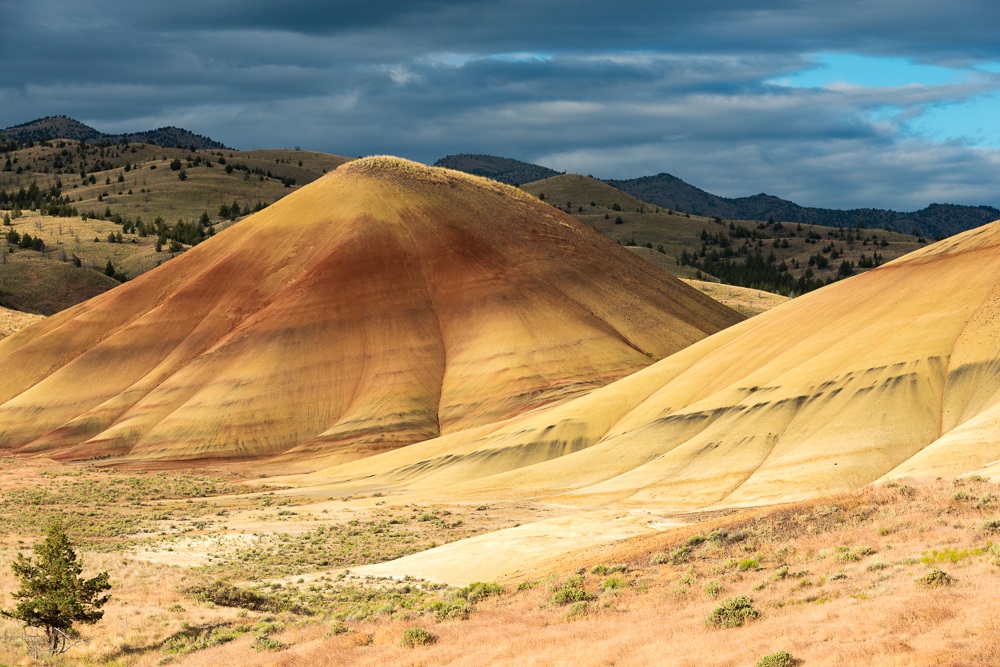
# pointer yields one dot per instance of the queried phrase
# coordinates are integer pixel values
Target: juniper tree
(53, 596)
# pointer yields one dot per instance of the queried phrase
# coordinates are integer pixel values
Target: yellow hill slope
(893, 372)
(383, 304)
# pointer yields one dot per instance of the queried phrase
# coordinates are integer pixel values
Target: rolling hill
(936, 220)
(778, 257)
(383, 304)
(670, 192)
(887, 374)
(503, 169)
(63, 127)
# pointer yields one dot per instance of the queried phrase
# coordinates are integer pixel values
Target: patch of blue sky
(870, 72)
(973, 121)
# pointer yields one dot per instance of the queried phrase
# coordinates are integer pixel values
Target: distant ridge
(63, 127)
(503, 169)
(937, 220)
(668, 191)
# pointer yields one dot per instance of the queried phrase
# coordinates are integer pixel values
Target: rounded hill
(386, 303)
(891, 373)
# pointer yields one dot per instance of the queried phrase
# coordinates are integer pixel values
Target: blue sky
(972, 120)
(881, 103)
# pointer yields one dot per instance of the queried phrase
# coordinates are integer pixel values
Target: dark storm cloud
(613, 89)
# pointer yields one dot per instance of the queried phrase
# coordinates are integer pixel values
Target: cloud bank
(699, 89)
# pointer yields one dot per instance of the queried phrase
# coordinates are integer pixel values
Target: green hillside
(785, 258)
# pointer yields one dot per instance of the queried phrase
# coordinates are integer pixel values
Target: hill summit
(385, 303)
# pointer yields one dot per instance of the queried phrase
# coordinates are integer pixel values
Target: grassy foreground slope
(205, 575)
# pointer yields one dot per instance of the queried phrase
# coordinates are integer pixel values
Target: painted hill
(894, 372)
(503, 169)
(383, 304)
(63, 127)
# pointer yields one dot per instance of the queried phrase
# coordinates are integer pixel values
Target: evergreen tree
(53, 596)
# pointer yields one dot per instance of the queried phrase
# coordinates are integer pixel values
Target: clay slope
(894, 372)
(383, 304)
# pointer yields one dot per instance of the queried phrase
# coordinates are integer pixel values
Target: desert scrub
(198, 638)
(936, 578)
(479, 590)
(461, 601)
(99, 507)
(339, 601)
(680, 555)
(413, 637)
(613, 584)
(712, 589)
(566, 596)
(949, 555)
(571, 591)
(733, 612)
(274, 555)
(225, 594)
(992, 526)
(748, 564)
(779, 659)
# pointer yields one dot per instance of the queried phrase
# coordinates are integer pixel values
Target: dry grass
(818, 572)
(743, 300)
(12, 321)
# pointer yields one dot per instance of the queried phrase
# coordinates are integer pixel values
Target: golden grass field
(818, 573)
(12, 321)
(744, 300)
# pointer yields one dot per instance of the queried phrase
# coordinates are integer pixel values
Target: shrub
(194, 639)
(733, 612)
(450, 610)
(570, 594)
(613, 583)
(479, 590)
(779, 659)
(936, 578)
(680, 555)
(265, 643)
(748, 564)
(224, 594)
(413, 637)
(658, 558)
(992, 526)
(712, 589)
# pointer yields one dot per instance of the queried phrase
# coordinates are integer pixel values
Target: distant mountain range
(503, 169)
(63, 127)
(668, 191)
(937, 220)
